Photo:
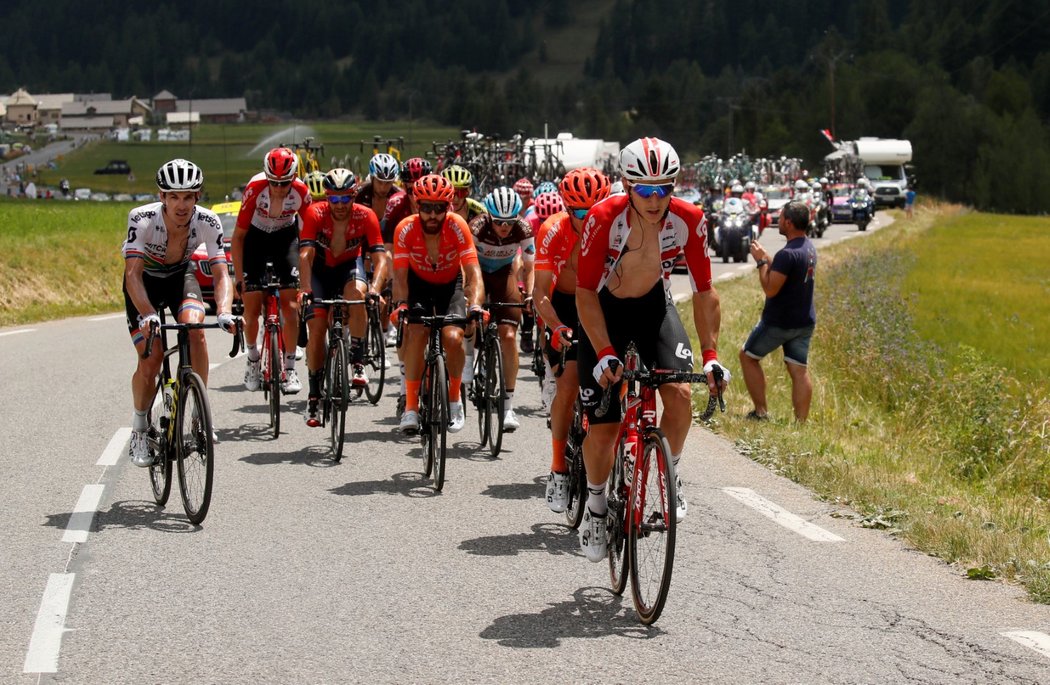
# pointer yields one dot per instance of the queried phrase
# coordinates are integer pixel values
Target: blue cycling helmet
(545, 187)
(502, 203)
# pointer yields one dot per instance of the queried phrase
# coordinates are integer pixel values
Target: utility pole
(832, 61)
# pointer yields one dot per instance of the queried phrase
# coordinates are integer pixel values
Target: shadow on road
(591, 613)
(135, 514)
(532, 490)
(552, 538)
(315, 455)
(409, 484)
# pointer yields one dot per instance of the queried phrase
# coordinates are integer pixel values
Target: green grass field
(930, 412)
(231, 154)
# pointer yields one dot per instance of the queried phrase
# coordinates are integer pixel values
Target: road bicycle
(642, 489)
(433, 392)
(336, 393)
(273, 373)
(577, 471)
(180, 426)
(373, 351)
(488, 389)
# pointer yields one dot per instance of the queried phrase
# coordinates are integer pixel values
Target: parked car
(841, 211)
(227, 212)
(115, 166)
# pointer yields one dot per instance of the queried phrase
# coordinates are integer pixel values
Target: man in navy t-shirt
(788, 317)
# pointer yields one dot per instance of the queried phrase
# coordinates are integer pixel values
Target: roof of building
(87, 122)
(164, 95)
(208, 106)
(53, 100)
(20, 97)
(101, 107)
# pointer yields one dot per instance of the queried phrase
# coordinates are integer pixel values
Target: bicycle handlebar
(154, 333)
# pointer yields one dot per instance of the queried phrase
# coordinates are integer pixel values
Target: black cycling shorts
(502, 286)
(652, 323)
(170, 291)
(329, 282)
(280, 247)
(436, 299)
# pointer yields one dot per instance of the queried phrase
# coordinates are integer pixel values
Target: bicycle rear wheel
(273, 385)
(160, 469)
(481, 403)
(494, 392)
(337, 394)
(618, 499)
(577, 473)
(651, 524)
(439, 419)
(195, 448)
(426, 418)
(375, 357)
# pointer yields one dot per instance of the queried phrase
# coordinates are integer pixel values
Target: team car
(227, 213)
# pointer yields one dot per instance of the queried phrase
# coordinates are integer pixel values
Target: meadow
(930, 413)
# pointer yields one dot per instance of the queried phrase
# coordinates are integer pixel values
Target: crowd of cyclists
(587, 257)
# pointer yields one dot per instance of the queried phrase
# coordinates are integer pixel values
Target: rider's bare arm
(133, 270)
(707, 316)
(592, 318)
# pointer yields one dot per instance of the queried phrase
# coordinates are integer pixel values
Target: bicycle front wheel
(375, 358)
(651, 527)
(337, 395)
(577, 472)
(425, 419)
(438, 402)
(618, 498)
(195, 448)
(481, 404)
(494, 392)
(274, 382)
(160, 469)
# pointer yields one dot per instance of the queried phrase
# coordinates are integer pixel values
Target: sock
(138, 420)
(412, 396)
(253, 353)
(315, 382)
(454, 384)
(401, 366)
(508, 403)
(289, 361)
(357, 351)
(596, 501)
(558, 464)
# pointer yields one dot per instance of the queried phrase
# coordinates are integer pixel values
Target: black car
(115, 166)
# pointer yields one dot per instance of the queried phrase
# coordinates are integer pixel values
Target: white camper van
(884, 161)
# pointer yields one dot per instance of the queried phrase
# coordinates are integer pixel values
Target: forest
(967, 81)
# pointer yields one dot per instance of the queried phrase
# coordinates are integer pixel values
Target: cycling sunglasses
(581, 212)
(340, 199)
(281, 184)
(433, 207)
(646, 191)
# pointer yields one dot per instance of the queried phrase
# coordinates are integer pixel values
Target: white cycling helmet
(502, 203)
(180, 175)
(649, 160)
(801, 185)
(737, 189)
(750, 185)
(823, 180)
(815, 185)
(384, 167)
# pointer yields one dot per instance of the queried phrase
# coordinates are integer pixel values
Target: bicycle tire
(478, 384)
(274, 384)
(160, 469)
(425, 419)
(577, 472)
(337, 391)
(375, 358)
(617, 498)
(195, 448)
(495, 389)
(652, 527)
(439, 419)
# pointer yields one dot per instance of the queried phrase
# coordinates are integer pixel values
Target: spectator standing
(788, 317)
(909, 201)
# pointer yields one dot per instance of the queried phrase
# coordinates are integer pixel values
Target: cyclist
(462, 204)
(267, 230)
(629, 245)
(378, 193)
(435, 270)
(499, 235)
(546, 204)
(523, 187)
(161, 237)
(315, 182)
(555, 298)
(335, 235)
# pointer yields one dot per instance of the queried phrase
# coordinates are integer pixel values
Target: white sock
(596, 500)
(289, 361)
(404, 391)
(508, 403)
(138, 420)
(253, 353)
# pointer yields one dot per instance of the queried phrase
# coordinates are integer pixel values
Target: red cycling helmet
(548, 204)
(523, 186)
(584, 187)
(414, 169)
(280, 164)
(433, 188)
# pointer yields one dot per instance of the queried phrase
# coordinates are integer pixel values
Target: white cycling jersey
(148, 239)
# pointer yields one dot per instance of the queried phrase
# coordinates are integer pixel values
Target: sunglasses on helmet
(340, 199)
(581, 212)
(433, 207)
(646, 191)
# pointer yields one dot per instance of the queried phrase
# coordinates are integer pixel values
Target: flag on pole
(827, 134)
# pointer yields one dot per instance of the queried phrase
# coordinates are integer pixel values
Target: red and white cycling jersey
(318, 228)
(605, 232)
(455, 248)
(256, 210)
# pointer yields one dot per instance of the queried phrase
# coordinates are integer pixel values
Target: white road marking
(1032, 639)
(46, 641)
(782, 516)
(20, 330)
(115, 448)
(83, 513)
(108, 317)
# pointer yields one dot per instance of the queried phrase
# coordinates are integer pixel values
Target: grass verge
(924, 420)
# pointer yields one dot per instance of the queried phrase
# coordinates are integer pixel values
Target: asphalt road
(305, 571)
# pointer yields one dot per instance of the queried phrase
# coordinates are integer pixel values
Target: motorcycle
(820, 215)
(735, 231)
(863, 208)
